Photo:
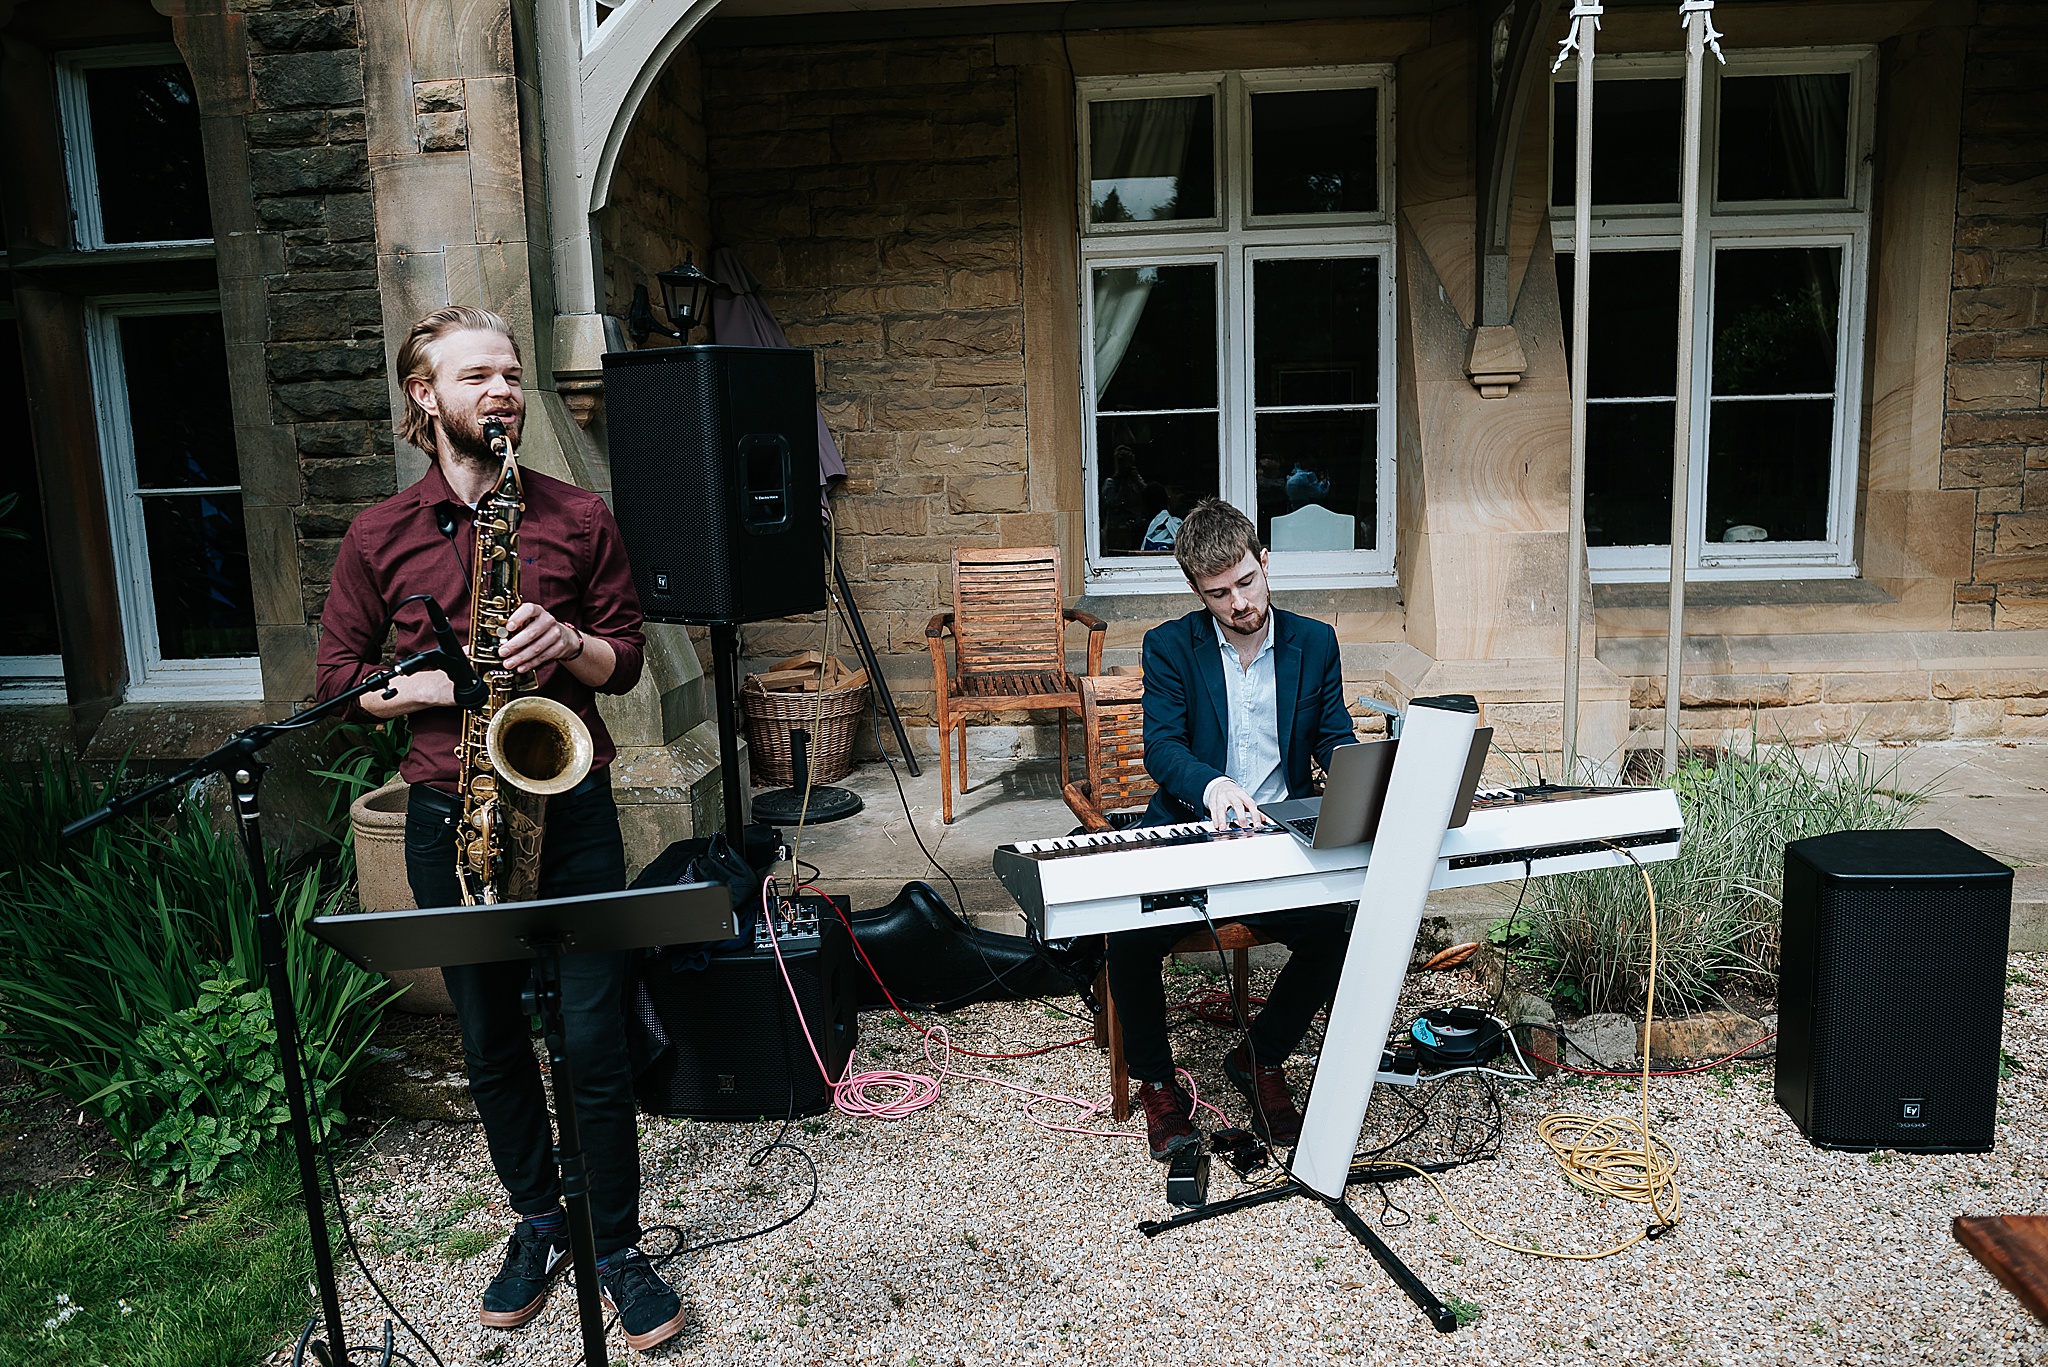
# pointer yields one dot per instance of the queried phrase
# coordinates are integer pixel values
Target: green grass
(217, 1283)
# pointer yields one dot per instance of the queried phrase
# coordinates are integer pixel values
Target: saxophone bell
(539, 746)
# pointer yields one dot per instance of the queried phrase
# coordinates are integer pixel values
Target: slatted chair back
(1113, 717)
(1006, 617)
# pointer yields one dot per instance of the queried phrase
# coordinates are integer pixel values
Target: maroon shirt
(572, 562)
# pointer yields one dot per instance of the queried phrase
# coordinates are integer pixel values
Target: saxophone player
(578, 633)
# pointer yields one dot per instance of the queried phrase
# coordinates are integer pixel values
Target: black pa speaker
(1891, 991)
(714, 455)
(733, 1047)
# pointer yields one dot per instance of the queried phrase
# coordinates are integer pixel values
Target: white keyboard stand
(1421, 792)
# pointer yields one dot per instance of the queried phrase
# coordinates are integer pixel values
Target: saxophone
(520, 749)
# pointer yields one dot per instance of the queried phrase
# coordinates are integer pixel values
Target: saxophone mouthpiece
(493, 429)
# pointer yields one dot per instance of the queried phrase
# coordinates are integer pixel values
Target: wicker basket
(772, 715)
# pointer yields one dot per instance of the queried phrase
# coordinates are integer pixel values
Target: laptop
(1348, 812)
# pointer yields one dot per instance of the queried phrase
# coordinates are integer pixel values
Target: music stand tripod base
(786, 807)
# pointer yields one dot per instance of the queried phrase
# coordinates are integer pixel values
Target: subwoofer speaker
(732, 1048)
(714, 454)
(1891, 991)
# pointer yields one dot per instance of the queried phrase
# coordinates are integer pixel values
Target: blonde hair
(416, 360)
(1214, 537)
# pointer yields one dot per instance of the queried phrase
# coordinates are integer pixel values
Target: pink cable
(903, 1094)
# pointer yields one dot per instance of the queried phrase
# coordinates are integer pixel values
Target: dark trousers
(1317, 938)
(582, 853)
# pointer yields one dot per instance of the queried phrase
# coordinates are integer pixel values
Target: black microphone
(471, 692)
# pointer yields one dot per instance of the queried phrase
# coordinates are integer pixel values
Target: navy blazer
(1187, 710)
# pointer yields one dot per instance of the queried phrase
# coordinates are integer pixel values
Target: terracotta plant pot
(377, 819)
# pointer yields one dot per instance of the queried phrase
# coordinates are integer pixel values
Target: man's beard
(466, 438)
(1253, 626)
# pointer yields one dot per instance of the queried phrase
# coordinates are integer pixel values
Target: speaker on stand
(714, 454)
(1891, 991)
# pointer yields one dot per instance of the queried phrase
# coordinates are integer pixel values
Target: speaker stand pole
(867, 655)
(725, 665)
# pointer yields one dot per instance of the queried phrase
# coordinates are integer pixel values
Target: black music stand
(543, 931)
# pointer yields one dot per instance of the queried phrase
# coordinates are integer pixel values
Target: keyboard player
(1239, 696)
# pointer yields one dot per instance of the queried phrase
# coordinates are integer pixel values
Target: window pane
(1151, 159)
(1784, 137)
(199, 574)
(1155, 337)
(145, 139)
(1628, 473)
(28, 610)
(1635, 141)
(1774, 319)
(1768, 465)
(1318, 480)
(1153, 470)
(1315, 331)
(1632, 324)
(1315, 152)
(178, 400)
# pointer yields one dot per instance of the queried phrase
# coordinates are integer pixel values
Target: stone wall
(660, 200)
(1995, 440)
(874, 191)
(323, 338)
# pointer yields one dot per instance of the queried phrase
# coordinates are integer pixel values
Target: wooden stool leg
(1119, 1071)
(963, 754)
(1241, 983)
(1062, 714)
(1102, 1008)
(945, 760)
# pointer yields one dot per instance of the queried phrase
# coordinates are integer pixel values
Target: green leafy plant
(362, 757)
(1718, 901)
(199, 1095)
(105, 940)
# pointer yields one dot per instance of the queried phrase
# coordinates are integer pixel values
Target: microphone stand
(237, 762)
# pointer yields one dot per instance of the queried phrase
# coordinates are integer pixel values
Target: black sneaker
(532, 1262)
(649, 1311)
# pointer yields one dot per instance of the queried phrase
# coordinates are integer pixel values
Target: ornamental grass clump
(1718, 901)
(130, 976)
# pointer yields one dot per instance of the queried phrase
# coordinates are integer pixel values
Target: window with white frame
(1236, 250)
(1778, 309)
(174, 497)
(132, 147)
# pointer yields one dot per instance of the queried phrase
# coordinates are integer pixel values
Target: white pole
(1585, 23)
(1697, 16)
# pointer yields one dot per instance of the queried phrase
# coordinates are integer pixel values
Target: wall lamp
(685, 295)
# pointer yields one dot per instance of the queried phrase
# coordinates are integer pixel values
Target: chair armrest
(1083, 806)
(939, 625)
(1098, 630)
(1086, 619)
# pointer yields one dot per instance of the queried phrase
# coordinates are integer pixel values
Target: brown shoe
(1264, 1089)
(1168, 1126)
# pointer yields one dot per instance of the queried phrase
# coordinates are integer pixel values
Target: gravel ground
(966, 1235)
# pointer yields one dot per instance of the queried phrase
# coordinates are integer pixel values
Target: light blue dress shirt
(1252, 741)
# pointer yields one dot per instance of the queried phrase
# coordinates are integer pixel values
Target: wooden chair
(2014, 1249)
(1009, 648)
(1111, 793)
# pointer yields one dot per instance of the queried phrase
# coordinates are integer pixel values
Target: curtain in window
(1120, 297)
(1132, 140)
(1812, 115)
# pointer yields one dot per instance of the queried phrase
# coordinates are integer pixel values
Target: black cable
(348, 1236)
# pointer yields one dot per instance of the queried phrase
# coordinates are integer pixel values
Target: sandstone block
(447, 132)
(2022, 607)
(343, 360)
(1029, 529)
(1998, 232)
(980, 450)
(1742, 690)
(1997, 384)
(334, 439)
(883, 516)
(993, 331)
(1000, 288)
(2002, 190)
(2021, 532)
(437, 97)
(299, 170)
(338, 256)
(915, 182)
(981, 370)
(1706, 1035)
(940, 258)
(300, 80)
(1975, 468)
(1978, 718)
(304, 30)
(2002, 499)
(2026, 707)
(2027, 568)
(2024, 728)
(288, 128)
(1604, 1040)
(882, 138)
(348, 479)
(928, 410)
(323, 317)
(900, 485)
(1877, 687)
(991, 133)
(1973, 617)
(2031, 344)
(2001, 429)
(780, 147)
(987, 494)
(329, 401)
(1926, 720)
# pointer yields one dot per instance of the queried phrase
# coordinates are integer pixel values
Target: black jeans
(582, 853)
(1317, 938)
